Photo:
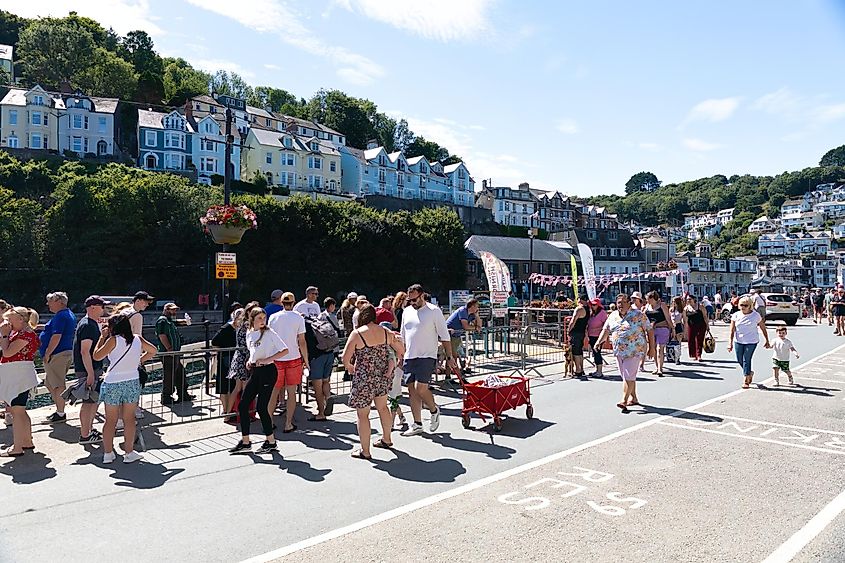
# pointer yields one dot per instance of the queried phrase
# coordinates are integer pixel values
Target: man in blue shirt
(57, 350)
(463, 319)
(275, 304)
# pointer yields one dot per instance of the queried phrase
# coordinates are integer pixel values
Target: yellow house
(285, 159)
(29, 119)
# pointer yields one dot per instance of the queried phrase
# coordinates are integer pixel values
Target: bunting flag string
(607, 279)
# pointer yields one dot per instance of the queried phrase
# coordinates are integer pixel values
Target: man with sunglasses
(423, 330)
(309, 307)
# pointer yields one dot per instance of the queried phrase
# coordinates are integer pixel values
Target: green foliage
(834, 157)
(110, 76)
(10, 27)
(230, 84)
(278, 100)
(50, 51)
(642, 182)
(429, 149)
(181, 81)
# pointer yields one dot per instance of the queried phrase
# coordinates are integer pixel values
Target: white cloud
(649, 146)
(567, 126)
(272, 67)
(781, 102)
(442, 20)
(213, 65)
(712, 110)
(700, 146)
(121, 15)
(274, 16)
(830, 112)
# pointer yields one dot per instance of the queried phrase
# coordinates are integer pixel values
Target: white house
(763, 225)
(803, 220)
(724, 216)
(462, 184)
(830, 209)
(514, 206)
(839, 231)
(87, 125)
(793, 244)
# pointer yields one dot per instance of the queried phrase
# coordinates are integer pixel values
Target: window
(422, 183)
(315, 162)
(592, 235)
(285, 179)
(174, 161)
(208, 164)
(315, 181)
(38, 100)
(542, 269)
(602, 252)
(333, 166)
(400, 180)
(268, 158)
(315, 146)
(525, 268)
(288, 142)
(381, 176)
(12, 142)
(267, 121)
(13, 117)
(36, 118)
(332, 185)
(101, 124)
(35, 141)
(612, 235)
(76, 144)
(423, 168)
(174, 140)
(150, 138)
(288, 159)
(76, 121)
(524, 221)
(206, 145)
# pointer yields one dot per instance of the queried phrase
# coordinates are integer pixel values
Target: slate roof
(516, 249)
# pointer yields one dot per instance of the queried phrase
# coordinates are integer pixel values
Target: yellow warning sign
(227, 271)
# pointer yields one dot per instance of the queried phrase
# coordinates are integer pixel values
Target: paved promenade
(705, 472)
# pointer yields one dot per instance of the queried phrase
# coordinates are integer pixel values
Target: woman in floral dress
(366, 358)
(237, 368)
(633, 339)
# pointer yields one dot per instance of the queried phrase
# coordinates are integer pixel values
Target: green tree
(110, 76)
(181, 81)
(642, 182)
(49, 50)
(137, 48)
(429, 149)
(10, 27)
(278, 100)
(230, 84)
(834, 157)
(402, 135)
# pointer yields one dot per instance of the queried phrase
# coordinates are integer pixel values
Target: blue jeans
(744, 353)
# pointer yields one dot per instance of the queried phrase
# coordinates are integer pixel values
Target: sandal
(359, 454)
(633, 404)
(316, 419)
(380, 443)
(289, 430)
(622, 406)
(9, 453)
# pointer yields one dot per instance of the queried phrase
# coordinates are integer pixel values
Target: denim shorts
(321, 367)
(121, 392)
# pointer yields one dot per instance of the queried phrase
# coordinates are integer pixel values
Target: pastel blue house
(176, 143)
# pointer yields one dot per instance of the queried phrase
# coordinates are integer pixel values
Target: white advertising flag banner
(498, 275)
(586, 254)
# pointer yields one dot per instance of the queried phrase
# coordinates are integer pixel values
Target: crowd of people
(266, 353)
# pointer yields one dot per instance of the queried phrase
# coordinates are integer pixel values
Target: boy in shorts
(781, 349)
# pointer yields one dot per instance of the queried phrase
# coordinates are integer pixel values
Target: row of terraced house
(298, 154)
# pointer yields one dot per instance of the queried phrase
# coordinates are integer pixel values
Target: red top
(383, 315)
(27, 353)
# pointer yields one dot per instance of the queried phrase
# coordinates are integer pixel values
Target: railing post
(205, 324)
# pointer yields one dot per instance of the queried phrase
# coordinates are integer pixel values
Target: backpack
(325, 333)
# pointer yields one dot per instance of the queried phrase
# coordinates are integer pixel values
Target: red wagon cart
(493, 401)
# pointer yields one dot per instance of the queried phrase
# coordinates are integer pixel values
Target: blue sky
(573, 96)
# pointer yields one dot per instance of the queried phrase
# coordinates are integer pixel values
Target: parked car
(781, 307)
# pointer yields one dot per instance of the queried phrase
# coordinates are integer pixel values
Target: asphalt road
(704, 472)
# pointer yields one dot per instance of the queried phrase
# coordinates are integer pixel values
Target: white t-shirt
(288, 326)
(781, 349)
(759, 301)
(262, 347)
(422, 330)
(746, 327)
(307, 309)
(718, 299)
(123, 368)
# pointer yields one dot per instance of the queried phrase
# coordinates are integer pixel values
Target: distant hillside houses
(700, 226)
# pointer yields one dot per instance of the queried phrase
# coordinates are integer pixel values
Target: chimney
(483, 184)
(189, 110)
(523, 186)
(372, 144)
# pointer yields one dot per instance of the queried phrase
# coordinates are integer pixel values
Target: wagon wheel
(529, 412)
(465, 420)
(497, 424)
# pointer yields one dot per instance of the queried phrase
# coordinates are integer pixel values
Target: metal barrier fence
(521, 348)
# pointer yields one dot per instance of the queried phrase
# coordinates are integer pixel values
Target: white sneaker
(119, 425)
(414, 430)
(108, 457)
(132, 457)
(434, 424)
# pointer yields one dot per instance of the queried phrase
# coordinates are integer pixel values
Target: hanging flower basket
(228, 223)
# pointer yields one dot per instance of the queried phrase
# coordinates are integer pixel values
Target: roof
(517, 249)
(269, 138)
(206, 99)
(305, 123)
(370, 154)
(451, 168)
(624, 238)
(153, 119)
(414, 160)
(105, 105)
(17, 97)
(6, 52)
(793, 202)
(252, 110)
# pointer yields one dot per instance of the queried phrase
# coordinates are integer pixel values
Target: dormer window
(38, 100)
(315, 146)
(288, 142)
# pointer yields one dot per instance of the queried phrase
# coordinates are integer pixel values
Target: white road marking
(457, 491)
(755, 438)
(839, 381)
(800, 539)
(715, 415)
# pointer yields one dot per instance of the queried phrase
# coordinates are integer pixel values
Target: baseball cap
(287, 297)
(637, 295)
(596, 302)
(311, 289)
(352, 295)
(95, 300)
(171, 306)
(275, 294)
(143, 295)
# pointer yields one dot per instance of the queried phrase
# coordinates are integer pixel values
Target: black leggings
(597, 359)
(261, 384)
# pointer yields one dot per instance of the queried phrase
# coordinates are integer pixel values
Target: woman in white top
(121, 388)
(744, 325)
(264, 347)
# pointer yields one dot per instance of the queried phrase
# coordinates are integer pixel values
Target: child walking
(394, 369)
(781, 349)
